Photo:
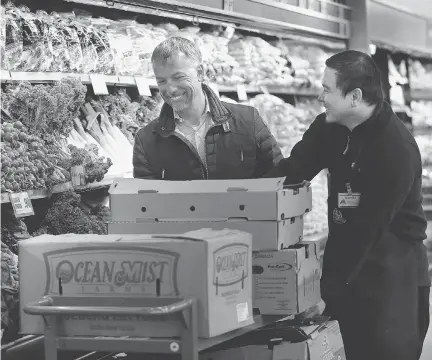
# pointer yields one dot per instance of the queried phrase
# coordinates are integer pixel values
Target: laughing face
(179, 80)
(337, 106)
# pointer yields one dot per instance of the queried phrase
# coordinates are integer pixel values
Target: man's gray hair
(173, 46)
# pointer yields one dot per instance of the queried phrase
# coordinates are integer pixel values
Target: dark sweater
(388, 176)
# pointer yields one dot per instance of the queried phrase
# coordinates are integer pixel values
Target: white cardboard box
(286, 282)
(254, 199)
(212, 266)
(266, 235)
(317, 342)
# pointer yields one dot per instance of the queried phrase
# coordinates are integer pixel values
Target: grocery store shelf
(421, 94)
(273, 89)
(49, 77)
(43, 193)
(240, 15)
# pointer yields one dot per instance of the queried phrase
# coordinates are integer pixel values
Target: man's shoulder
(240, 109)
(146, 132)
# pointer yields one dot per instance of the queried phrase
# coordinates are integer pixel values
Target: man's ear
(356, 97)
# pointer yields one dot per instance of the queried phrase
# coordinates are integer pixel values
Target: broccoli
(66, 216)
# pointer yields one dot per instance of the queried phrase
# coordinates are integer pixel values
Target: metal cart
(56, 309)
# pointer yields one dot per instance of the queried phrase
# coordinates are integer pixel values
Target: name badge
(346, 200)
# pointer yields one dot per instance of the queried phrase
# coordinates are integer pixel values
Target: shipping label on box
(252, 199)
(212, 266)
(313, 342)
(266, 235)
(286, 282)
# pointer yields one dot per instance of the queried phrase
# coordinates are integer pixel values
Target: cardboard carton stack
(212, 266)
(286, 271)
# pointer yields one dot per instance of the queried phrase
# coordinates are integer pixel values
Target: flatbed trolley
(55, 308)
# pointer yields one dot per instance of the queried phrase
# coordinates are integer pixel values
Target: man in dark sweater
(375, 280)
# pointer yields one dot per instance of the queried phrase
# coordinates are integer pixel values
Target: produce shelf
(421, 94)
(238, 14)
(49, 77)
(43, 193)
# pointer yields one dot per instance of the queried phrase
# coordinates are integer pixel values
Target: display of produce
(421, 112)
(420, 74)
(129, 116)
(9, 293)
(424, 143)
(68, 216)
(307, 62)
(260, 62)
(39, 122)
(79, 43)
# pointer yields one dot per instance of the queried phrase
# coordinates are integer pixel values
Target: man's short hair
(355, 69)
(175, 45)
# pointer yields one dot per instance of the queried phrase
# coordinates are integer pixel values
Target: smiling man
(197, 136)
(375, 271)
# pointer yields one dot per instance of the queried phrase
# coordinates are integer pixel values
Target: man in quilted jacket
(197, 136)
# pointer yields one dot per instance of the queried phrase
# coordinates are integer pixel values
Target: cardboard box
(314, 342)
(266, 235)
(288, 281)
(254, 199)
(212, 266)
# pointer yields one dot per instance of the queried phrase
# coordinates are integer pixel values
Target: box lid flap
(135, 186)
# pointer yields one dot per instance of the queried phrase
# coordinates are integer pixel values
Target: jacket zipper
(204, 171)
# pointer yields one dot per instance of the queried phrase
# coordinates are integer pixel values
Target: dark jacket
(238, 146)
(388, 174)
(374, 261)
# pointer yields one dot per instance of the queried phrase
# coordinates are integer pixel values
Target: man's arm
(308, 156)
(388, 183)
(268, 151)
(141, 166)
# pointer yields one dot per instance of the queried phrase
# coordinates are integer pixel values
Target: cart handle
(45, 307)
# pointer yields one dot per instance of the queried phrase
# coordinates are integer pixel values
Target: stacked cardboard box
(212, 266)
(286, 270)
(319, 340)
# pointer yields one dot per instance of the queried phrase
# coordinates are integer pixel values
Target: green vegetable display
(67, 216)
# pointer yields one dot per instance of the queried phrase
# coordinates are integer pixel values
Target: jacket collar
(220, 114)
(377, 120)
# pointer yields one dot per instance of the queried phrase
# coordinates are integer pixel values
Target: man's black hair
(355, 69)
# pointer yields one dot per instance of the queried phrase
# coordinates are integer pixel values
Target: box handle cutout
(257, 269)
(236, 189)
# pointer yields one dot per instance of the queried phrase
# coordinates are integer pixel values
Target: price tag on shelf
(5, 75)
(21, 204)
(264, 89)
(77, 176)
(143, 86)
(215, 88)
(241, 92)
(99, 84)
